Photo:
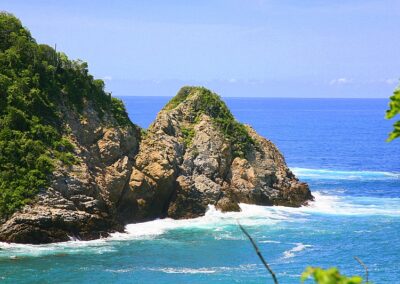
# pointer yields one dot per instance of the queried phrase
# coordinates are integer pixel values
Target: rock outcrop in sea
(193, 155)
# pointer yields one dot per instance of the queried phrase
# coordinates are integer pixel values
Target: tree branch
(365, 267)
(259, 253)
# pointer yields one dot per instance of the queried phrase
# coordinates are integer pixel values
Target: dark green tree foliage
(34, 80)
(211, 104)
(394, 109)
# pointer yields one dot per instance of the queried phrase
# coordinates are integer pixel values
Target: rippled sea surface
(337, 146)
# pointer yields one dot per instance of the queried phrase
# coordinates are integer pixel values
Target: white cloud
(341, 81)
(107, 78)
(391, 81)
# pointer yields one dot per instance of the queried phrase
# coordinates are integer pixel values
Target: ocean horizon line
(252, 97)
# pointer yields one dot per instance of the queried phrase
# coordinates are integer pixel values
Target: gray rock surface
(182, 176)
(84, 200)
(183, 163)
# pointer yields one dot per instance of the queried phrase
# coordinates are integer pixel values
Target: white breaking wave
(17, 251)
(206, 270)
(214, 220)
(253, 215)
(299, 247)
(344, 175)
(218, 224)
(269, 242)
(184, 270)
(188, 270)
(345, 205)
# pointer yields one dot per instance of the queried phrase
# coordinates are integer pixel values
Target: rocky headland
(72, 164)
(194, 154)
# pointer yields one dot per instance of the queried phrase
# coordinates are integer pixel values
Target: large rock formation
(196, 154)
(193, 155)
(72, 165)
(84, 200)
(66, 145)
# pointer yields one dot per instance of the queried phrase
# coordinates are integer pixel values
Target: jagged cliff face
(193, 155)
(66, 145)
(188, 160)
(83, 199)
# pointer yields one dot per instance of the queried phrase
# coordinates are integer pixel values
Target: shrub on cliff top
(211, 104)
(182, 94)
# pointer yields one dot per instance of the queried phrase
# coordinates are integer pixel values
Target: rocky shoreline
(194, 154)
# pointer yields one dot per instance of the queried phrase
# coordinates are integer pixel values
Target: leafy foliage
(211, 104)
(119, 112)
(329, 276)
(34, 81)
(188, 135)
(394, 109)
(179, 97)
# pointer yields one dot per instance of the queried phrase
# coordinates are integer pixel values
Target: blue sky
(292, 48)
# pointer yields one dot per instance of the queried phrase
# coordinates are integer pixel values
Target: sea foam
(250, 215)
(298, 248)
(254, 215)
(342, 205)
(324, 174)
(219, 224)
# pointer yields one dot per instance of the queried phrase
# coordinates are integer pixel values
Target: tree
(35, 81)
(394, 109)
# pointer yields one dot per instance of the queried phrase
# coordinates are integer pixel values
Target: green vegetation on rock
(209, 103)
(34, 81)
(188, 135)
(179, 97)
(394, 109)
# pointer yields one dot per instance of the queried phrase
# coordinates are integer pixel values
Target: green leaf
(394, 109)
(328, 276)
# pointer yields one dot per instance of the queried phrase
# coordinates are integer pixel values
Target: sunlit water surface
(337, 146)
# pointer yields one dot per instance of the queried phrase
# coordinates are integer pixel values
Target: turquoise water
(337, 146)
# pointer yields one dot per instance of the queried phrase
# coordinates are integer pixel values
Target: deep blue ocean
(336, 145)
